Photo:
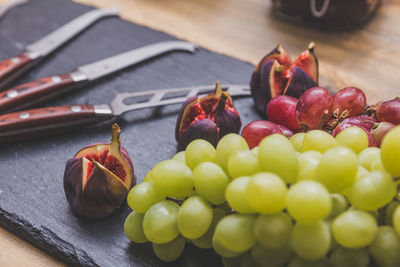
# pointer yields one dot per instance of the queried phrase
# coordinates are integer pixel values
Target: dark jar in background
(339, 14)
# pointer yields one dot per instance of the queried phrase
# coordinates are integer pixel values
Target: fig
(277, 75)
(209, 118)
(338, 14)
(98, 178)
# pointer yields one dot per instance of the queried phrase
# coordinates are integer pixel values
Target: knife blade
(15, 66)
(39, 91)
(39, 122)
(7, 6)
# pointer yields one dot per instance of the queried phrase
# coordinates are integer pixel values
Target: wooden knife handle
(13, 67)
(33, 93)
(44, 121)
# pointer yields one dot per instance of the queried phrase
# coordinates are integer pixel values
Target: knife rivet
(24, 115)
(12, 93)
(76, 108)
(15, 60)
(56, 79)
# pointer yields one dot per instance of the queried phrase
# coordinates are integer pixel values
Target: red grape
(351, 99)
(379, 132)
(282, 110)
(389, 111)
(255, 131)
(345, 124)
(313, 104)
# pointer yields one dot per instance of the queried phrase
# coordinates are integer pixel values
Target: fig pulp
(277, 75)
(98, 178)
(209, 118)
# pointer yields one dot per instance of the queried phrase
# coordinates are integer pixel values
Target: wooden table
(245, 29)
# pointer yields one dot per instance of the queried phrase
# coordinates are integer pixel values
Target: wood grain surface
(246, 29)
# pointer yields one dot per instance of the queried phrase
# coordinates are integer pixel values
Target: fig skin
(277, 75)
(209, 118)
(93, 191)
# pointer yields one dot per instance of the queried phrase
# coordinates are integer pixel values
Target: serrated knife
(7, 6)
(33, 123)
(42, 90)
(12, 68)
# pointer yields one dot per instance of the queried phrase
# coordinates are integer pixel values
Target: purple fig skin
(228, 121)
(180, 115)
(260, 85)
(299, 83)
(203, 129)
(103, 194)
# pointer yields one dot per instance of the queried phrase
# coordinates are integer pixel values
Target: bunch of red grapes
(317, 108)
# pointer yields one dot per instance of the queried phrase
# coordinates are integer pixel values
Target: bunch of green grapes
(283, 203)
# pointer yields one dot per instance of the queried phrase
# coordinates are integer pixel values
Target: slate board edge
(48, 241)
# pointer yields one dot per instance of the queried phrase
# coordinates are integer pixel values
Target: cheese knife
(7, 6)
(42, 90)
(12, 68)
(33, 123)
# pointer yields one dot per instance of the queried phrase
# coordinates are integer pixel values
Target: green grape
(236, 195)
(235, 232)
(170, 251)
(396, 220)
(308, 162)
(345, 257)
(142, 196)
(337, 169)
(372, 191)
(180, 156)
(223, 251)
(354, 138)
(386, 247)
(133, 227)
(339, 205)
(231, 262)
(266, 257)
(242, 163)
(194, 217)
(389, 212)
(173, 178)
(368, 157)
(226, 146)
(254, 150)
(273, 230)
(299, 262)
(276, 154)
(354, 229)
(266, 193)
(247, 261)
(311, 241)
(199, 151)
(308, 201)
(210, 182)
(205, 241)
(318, 140)
(160, 222)
(390, 151)
(148, 177)
(297, 141)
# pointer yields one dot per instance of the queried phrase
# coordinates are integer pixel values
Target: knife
(10, 5)
(41, 90)
(33, 123)
(13, 67)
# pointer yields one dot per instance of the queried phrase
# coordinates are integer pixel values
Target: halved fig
(98, 178)
(277, 75)
(210, 118)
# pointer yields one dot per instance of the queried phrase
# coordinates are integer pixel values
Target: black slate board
(32, 201)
